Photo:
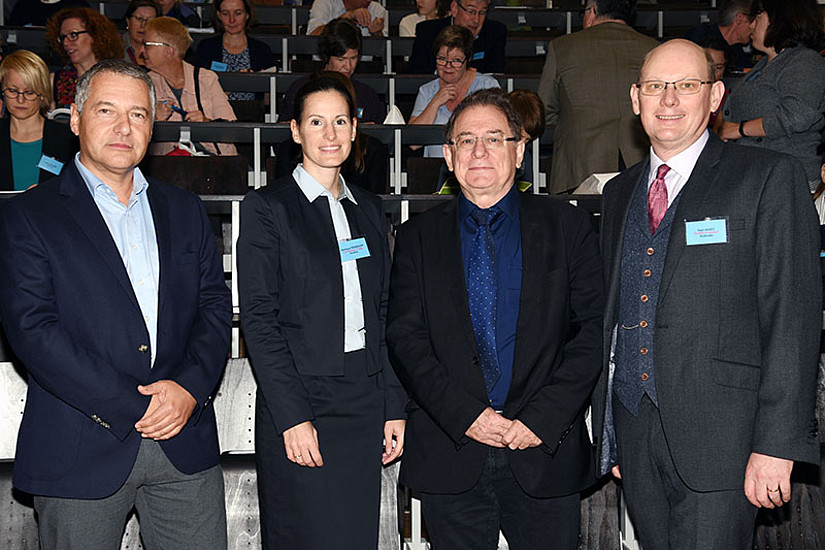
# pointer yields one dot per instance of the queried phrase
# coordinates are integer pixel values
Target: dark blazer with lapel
(58, 142)
(491, 39)
(557, 352)
(72, 318)
(291, 294)
(737, 324)
(211, 49)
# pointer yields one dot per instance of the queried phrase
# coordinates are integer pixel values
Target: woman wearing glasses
(138, 13)
(32, 148)
(82, 37)
(184, 93)
(779, 103)
(453, 49)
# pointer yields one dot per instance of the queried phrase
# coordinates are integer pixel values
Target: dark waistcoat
(643, 260)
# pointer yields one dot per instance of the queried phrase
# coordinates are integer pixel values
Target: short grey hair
(729, 9)
(112, 66)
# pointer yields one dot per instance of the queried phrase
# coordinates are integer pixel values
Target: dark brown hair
(792, 22)
(530, 108)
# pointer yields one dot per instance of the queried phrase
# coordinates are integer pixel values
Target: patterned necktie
(481, 289)
(657, 198)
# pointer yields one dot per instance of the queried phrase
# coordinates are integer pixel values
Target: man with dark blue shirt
(489, 38)
(494, 328)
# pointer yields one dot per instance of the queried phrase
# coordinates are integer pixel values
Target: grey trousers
(175, 511)
(667, 514)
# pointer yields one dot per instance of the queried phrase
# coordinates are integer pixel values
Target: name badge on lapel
(50, 165)
(353, 249)
(219, 67)
(707, 231)
(478, 55)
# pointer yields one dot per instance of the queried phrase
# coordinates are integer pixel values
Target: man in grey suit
(584, 88)
(713, 319)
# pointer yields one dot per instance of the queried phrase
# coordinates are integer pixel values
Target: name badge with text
(353, 249)
(50, 165)
(478, 55)
(219, 67)
(707, 231)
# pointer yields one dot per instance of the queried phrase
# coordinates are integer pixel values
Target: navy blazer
(72, 319)
(291, 294)
(736, 342)
(555, 365)
(491, 40)
(211, 49)
(58, 142)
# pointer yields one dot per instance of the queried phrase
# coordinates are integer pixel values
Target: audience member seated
(184, 92)
(370, 17)
(717, 49)
(367, 165)
(32, 147)
(340, 48)
(427, 10)
(38, 12)
(181, 12)
(779, 104)
(82, 37)
(138, 13)
(490, 38)
(733, 26)
(232, 49)
(452, 51)
(530, 109)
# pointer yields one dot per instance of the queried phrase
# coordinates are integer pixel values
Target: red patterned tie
(657, 198)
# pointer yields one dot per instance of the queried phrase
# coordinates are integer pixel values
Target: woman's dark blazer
(58, 142)
(211, 49)
(291, 296)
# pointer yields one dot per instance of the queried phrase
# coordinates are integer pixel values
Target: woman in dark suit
(32, 148)
(232, 49)
(313, 275)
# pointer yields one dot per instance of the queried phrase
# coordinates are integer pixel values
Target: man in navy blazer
(496, 437)
(113, 297)
(488, 46)
(712, 322)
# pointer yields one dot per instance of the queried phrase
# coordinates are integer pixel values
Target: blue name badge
(707, 231)
(219, 67)
(478, 55)
(353, 249)
(50, 164)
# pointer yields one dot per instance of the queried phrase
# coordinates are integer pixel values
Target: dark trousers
(666, 513)
(472, 519)
(176, 511)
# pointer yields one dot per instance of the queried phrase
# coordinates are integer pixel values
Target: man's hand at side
(168, 411)
(768, 480)
(489, 428)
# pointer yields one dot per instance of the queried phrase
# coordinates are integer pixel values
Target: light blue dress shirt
(133, 229)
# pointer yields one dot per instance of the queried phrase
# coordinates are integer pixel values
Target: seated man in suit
(488, 46)
(113, 297)
(494, 328)
(712, 322)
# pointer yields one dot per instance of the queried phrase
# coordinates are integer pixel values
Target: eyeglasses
(686, 86)
(493, 140)
(141, 20)
(474, 13)
(28, 95)
(454, 63)
(145, 43)
(72, 36)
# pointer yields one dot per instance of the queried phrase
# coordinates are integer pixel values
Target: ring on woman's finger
(297, 457)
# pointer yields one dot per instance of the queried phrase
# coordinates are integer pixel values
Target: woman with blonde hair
(32, 148)
(184, 93)
(82, 37)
